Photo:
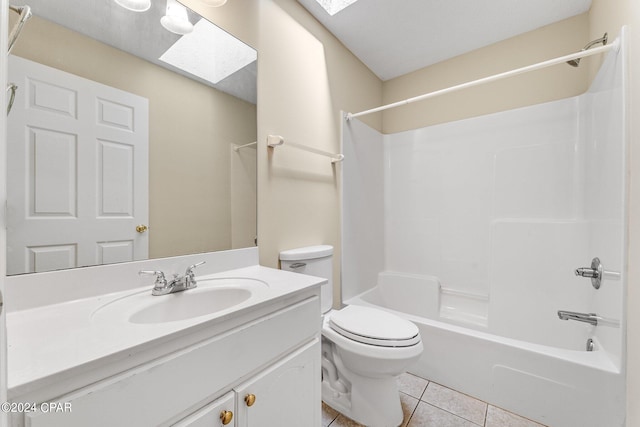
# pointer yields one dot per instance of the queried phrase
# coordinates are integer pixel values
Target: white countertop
(48, 343)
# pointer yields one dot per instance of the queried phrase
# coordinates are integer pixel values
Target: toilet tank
(314, 261)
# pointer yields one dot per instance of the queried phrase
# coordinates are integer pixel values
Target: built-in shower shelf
(464, 307)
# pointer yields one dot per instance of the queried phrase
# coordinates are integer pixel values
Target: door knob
(141, 228)
(11, 87)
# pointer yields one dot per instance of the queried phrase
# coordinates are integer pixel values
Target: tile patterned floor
(427, 404)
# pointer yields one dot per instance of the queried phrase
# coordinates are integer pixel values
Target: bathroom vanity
(128, 358)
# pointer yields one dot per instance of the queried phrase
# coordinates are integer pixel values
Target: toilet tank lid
(308, 252)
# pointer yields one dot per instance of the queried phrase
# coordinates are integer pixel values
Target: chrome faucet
(590, 318)
(176, 284)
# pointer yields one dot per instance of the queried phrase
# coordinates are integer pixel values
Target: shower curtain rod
(584, 53)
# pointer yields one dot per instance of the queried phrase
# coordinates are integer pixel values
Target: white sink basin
(211, 296)
(188, 304)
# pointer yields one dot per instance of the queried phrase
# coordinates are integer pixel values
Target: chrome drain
(590, 344)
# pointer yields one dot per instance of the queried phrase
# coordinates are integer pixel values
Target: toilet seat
(371, 326)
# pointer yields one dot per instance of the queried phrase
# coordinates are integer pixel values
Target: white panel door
(77, 182)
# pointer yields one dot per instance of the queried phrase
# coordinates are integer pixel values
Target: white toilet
(363, 349)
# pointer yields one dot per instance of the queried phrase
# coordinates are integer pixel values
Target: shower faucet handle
(594, 272)
(587, 272)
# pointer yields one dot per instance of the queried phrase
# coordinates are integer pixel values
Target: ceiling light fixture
(176, 20)
(214, 3)
(135, 5)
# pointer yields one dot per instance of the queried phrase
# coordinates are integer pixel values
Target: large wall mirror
(126, 140)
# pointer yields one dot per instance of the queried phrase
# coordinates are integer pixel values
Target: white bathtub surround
(363, 214)
(485, 220)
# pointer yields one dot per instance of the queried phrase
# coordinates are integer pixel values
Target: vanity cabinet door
(218, 413)
(287, 394)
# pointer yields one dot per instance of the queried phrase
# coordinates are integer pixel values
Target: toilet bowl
(363, 349)
(369, 348)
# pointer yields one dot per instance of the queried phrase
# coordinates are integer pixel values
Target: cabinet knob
(226, 417)
(250, 399)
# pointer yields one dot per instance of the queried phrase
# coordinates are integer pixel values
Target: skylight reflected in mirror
(209, 53)
(334, 6)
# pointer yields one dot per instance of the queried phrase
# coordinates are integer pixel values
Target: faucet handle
(587, 272)
(189, 275)
(160, 279)
(192, 267)
(594, 273)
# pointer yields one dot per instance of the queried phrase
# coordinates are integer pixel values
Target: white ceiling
(395, 37)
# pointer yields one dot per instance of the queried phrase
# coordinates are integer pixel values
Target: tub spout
(590, 318)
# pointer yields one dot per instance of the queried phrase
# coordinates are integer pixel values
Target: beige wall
(610, 16)
(305, 77)
(557, 82)
(191, 127)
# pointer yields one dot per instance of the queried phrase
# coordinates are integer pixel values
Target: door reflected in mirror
(121, 141)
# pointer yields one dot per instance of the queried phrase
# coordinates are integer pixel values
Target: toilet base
(374, 402)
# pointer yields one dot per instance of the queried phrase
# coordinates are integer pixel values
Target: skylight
(209, 53)
(334, 6)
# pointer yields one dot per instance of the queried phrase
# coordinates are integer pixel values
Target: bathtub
(558, 387)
